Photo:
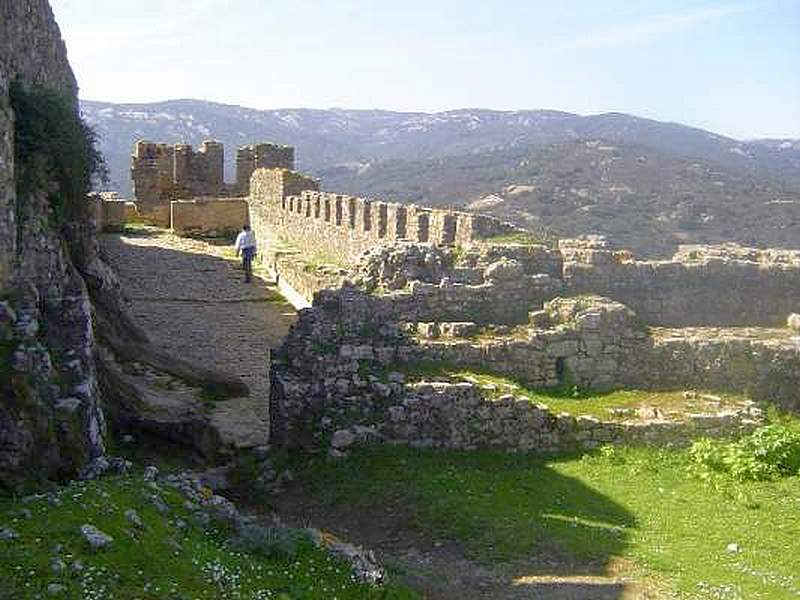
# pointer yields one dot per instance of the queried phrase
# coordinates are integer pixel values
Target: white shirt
(246, 239)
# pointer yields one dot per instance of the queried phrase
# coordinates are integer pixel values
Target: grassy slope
(160, 561)
(634, 504)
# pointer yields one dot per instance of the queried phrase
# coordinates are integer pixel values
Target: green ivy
(54, 150)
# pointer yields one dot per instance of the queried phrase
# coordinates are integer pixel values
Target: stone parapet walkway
(190, 297)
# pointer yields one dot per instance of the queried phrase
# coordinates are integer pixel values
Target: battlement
(288, 208)
(260, 156)
(162, 173)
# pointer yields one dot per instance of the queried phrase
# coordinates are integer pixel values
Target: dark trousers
(247, 262)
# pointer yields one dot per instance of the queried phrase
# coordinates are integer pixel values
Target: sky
(731, 67)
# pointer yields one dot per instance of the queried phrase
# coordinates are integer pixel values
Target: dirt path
(439, 568)
(189, 295)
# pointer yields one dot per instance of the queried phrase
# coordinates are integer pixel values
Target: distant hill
(644, 199)
(648, 184)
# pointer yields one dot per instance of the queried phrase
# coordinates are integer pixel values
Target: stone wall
(709, 285)
(337, 370)
(288, 207)
(460, 416)
(590, 341)
(109, 215)
(208, 215)
(763, 363)
(163, 172)
(51, 420)
(260, 156)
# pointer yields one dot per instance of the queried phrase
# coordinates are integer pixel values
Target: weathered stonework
(162, 173)
(460, 416)
(287, 206)
(51, 421)
(702, 285)
(513, 311)
(208, 215)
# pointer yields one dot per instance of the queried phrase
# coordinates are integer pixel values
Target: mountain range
(647, 185)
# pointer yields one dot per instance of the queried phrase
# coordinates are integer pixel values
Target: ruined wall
(338, 370)
(460, 416)
(163, 172)
(763, 363)
(208, 215)
(707, 285)
(51, 420)
(590, 340)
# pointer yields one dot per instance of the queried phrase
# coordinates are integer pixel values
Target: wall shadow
(471, 524)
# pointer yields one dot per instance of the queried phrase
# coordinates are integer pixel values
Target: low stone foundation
(459, 416)
(208, 215)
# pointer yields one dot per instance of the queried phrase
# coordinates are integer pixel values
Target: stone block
(563, 348)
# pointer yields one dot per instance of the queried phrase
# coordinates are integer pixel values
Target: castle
(392, 285)
(162, 173)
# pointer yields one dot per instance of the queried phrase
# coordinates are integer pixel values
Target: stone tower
(266, 156)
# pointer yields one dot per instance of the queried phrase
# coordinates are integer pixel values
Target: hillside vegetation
(644, 199)
(648, 185)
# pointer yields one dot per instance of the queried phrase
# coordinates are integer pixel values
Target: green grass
(160, 561)
(633, 506)
(567, 398)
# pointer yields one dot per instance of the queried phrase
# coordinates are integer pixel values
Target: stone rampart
(162, 173)
(289, 207)
(208, 215)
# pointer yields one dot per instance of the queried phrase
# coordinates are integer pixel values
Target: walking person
(246, 245)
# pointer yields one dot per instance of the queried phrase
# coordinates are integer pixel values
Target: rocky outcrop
(51, 420)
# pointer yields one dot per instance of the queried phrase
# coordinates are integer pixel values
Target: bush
(55, 151)
(771, 452)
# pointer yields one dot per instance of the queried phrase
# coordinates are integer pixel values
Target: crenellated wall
(162, 173)
(287, 209)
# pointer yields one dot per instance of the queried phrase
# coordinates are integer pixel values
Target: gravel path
(189, 295)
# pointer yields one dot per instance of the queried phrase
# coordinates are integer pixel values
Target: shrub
(53, 145)
(771, 452)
